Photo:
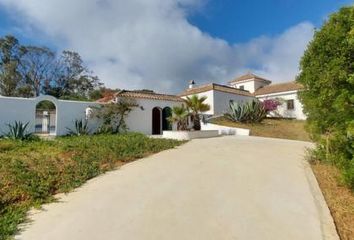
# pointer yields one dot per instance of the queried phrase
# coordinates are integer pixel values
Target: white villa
(154, 108)
(246, 88)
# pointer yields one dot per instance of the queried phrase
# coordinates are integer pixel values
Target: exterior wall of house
(219, 101)
(24, 109)
(222, 101)
(297, 112)
(140, 118)
(248, 85)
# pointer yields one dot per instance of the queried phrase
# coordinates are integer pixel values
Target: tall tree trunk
(196, 122)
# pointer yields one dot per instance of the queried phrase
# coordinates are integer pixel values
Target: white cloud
(150, 44)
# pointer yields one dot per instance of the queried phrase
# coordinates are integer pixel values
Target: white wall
(222, 101)
(224, 130)
(297, 112)
(219, 101)
(250, 85)
(140, 119)
(23, 109)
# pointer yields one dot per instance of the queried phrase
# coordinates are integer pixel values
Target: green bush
(19, 131)
(80, 128)
(249, 112)
(327, 73)
(32, 172)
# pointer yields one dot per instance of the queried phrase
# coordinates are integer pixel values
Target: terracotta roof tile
(143, 94)
(249, 76)
(214, 86)
(280, 87)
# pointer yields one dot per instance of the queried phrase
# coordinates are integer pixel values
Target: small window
(290, 104)
(242, 87)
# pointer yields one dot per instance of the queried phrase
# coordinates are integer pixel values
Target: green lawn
(275, 128)
(32, 172)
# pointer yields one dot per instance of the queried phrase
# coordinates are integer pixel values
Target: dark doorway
(156, 121)
(166, 113)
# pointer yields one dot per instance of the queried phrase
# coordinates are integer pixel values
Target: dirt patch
(339, 198)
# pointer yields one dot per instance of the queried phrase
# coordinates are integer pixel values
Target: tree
(327, 73)
(10, 56)
(72, 79)
(179, 116)
(36, 67)
(113, 115)
(197, 106)
(28, 71)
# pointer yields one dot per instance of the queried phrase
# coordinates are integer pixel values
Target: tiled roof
(143, 94)
(249, 76)
(277, 88)
(214, 86)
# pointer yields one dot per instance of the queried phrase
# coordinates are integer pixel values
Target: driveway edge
(328, 227)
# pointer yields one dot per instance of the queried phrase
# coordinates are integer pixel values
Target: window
(290, 104)
(242, 87)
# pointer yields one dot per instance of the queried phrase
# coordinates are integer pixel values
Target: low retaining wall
(223, 130)
(188, 135)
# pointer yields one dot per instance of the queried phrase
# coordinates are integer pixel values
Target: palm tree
(196, 106)
(179, 116)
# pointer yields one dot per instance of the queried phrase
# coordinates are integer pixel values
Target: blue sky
(242, 20)
(162, 44)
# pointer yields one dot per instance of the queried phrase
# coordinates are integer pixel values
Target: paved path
(222, 188)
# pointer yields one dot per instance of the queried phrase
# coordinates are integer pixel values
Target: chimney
(191, 84)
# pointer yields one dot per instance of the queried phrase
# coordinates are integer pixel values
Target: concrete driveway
(243, 188)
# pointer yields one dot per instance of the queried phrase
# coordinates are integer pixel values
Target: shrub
(113, 115)
(327, 73)
(179, 116)
(271, 104)
(249, 112)
(80, 128)
(19, 131)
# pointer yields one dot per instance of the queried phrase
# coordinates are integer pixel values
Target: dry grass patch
(274, 128)
(339, 198)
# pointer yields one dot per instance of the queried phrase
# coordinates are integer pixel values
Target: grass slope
(32, 172)
(275, 128)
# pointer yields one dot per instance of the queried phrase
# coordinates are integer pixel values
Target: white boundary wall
(188, 135)
(223, 130)
(24, 109)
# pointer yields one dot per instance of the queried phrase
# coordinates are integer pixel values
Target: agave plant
(179, 116)
(250, 112)
(80, 128)
(18, 131)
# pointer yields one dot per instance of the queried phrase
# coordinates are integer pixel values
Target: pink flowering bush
(271, 104)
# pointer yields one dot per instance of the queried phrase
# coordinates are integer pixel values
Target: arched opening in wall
(156, 121)
(46, 115)
(166, 113)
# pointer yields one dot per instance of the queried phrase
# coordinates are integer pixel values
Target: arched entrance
(45, 118)
(166, 113)
(156, 121)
